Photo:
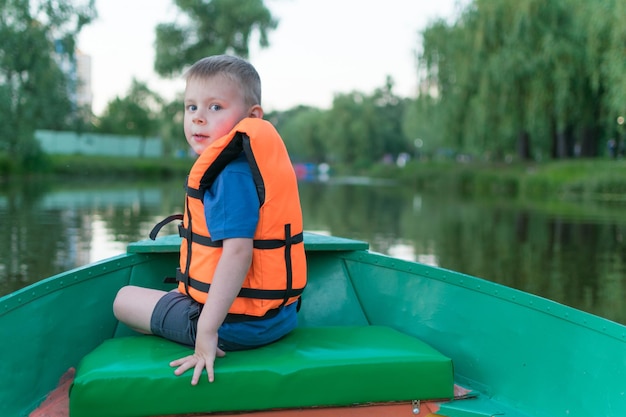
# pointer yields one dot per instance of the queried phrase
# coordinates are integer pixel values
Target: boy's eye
(215, 107)
(192, 107)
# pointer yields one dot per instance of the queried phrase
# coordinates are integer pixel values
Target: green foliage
(533, 78)
(36, 36)
(210, 27)
(134, 114)
(421, 125)
(386, 113)
(363, 129)
(357, 131)
(582, 179)
(144, 113)
(171, 123)
(97, 167)
(575, 179)
(303, 130)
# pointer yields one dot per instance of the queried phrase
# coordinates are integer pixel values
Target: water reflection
(566, 251)
(50, 228)
(571, 252)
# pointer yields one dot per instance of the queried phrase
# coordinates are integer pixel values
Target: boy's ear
(256, 111)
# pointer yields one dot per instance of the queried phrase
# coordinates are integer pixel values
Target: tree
(172, 115)
(303, 130)
(363, 129)
(211, 27)
(136, 114)
(603, 21)
(359, 129)
(37, 36)
(421, 125)
(387, 110)
(530, 77)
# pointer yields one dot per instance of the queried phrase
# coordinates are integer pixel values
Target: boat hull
(524, 354)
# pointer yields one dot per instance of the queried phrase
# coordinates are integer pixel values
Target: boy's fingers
(197, 372)
(183, 364)
(181, 361)
(188, 362)
(210, 373)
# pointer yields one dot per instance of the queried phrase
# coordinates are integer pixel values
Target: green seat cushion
(320, 366)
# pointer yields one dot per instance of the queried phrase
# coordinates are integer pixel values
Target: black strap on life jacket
(244, 292)
(268, 244)
(230, 152)
(157, 227)
(257, 244)
(240, 143)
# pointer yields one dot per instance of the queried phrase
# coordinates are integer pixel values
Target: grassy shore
(94, 167)
(97, 167)
(593, 179)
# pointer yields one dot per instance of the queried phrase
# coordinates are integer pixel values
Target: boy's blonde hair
(236, 69)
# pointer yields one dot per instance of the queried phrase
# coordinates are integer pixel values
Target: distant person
(242, 263)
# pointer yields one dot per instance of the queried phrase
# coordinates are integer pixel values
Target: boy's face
(213, 106)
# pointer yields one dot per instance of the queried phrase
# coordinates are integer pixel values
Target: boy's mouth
(200, 138)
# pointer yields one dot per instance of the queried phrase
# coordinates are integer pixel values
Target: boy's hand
(203, 358)
(228, 278)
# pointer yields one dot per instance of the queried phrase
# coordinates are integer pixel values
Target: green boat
(376, 336)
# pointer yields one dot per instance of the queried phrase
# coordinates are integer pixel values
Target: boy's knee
(134, 306)
(120, 302)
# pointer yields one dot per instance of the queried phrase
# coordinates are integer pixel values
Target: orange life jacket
(277, 276)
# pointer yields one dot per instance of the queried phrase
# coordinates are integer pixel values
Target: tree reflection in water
(573, 253)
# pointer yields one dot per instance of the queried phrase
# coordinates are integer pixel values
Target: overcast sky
(320, 48)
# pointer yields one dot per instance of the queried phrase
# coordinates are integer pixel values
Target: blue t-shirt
(231, 207)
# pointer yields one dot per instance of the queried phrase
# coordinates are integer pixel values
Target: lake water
(567, 251)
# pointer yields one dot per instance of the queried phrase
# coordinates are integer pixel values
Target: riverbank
(592, 179)
(95, 167)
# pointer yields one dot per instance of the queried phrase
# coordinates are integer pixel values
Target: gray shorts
(175, 317)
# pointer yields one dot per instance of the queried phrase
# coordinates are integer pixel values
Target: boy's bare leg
(133, 306)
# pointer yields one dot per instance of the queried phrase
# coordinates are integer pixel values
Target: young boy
(242, 265)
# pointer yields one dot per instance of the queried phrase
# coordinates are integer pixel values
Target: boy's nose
(199, 119)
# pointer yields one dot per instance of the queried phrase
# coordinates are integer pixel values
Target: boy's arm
(229, 275)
